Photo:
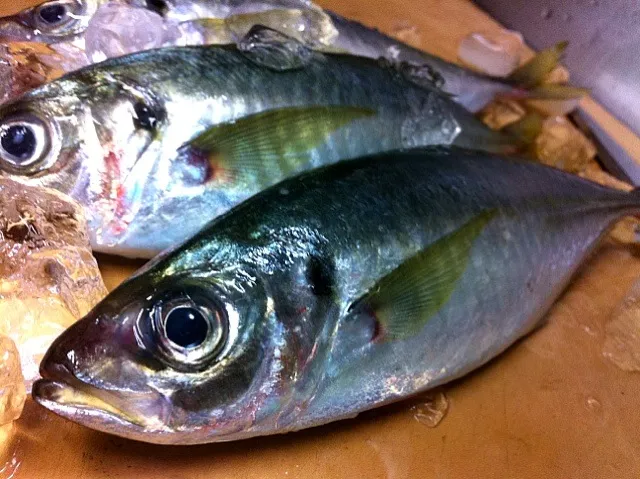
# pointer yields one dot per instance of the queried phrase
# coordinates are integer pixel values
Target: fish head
(83, 135)
(51, 22)
(180, 361)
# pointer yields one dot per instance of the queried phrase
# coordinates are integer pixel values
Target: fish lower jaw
(89, 410)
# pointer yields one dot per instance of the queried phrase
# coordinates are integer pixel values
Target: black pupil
(19, 141)
(53, 14)
(186, 327)
(145, 117)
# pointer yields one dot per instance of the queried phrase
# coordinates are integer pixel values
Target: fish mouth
(99, 409)
(83, 407)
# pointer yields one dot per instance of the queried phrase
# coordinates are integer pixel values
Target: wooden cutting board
(551, 406)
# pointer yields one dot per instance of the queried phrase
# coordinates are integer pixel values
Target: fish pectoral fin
(273, 143)
(535, 71)
(272, 49)
(403, 301)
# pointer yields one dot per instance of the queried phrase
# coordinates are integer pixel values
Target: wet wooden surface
(551, 406)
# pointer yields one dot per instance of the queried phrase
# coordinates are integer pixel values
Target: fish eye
(191, 329)
(53, 16)
(25, 141)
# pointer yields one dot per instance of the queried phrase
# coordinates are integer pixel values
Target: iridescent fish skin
(116, 136)
(322, 30)
(308, 318)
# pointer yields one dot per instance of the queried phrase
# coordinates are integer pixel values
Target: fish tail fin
(529, 79)
(536, 70)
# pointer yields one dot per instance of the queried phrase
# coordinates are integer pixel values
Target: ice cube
(494, 53)
(12, 390)
(117, 29)
(310, 26)
(430, 408)
(48, 276)
(67, 56)
(187, 33)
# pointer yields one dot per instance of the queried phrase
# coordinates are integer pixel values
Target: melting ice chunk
(12, 390)
(48, 276)
(117, 30)
(430, 408)
(496, 54)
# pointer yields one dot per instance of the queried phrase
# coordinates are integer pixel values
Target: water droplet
(593, 404)
(431, 408)
(546, 13)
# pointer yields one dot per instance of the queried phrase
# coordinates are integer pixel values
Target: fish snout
(78, 348)
(13, 30)
(90, 375)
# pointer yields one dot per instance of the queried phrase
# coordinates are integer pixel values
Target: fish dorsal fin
(272, 144)
(272, 49)
(403, 301)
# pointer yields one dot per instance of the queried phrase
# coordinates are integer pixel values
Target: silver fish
(63, 24)
(343, 289)
(140, 145)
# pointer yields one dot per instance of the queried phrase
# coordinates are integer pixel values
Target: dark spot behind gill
(158, 6)
(321, 275)
(147, 117)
